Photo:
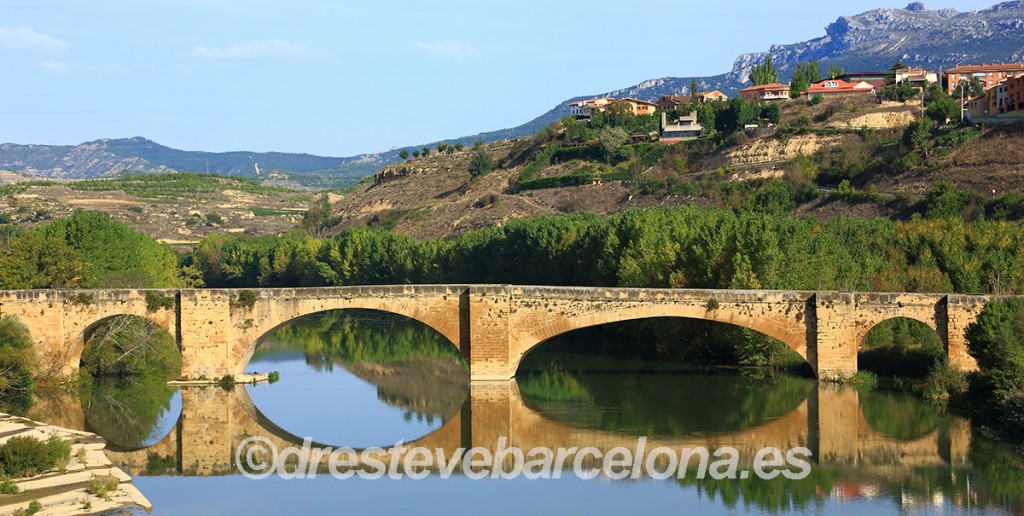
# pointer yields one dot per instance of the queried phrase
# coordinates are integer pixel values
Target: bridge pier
(832, 346)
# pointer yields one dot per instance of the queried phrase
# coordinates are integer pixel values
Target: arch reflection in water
(852, 459)
(366, 378)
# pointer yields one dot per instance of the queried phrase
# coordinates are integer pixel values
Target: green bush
(227, 382)
(17, 362)
(944, 201)
(481, 162)
(245, 299)
(816, 99)
(7, 486)
(103, 485)
(24, 456)
(943, 381)
(155, 302)
(996, 341)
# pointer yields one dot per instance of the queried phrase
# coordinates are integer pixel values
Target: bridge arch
(84, 335)
(872, 323)
(542, 333)
(432, 317)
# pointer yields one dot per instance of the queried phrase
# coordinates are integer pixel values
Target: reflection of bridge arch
(829, 422)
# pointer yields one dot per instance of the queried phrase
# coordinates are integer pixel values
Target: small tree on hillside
(404, 155)
(481, 163)
(942, 109)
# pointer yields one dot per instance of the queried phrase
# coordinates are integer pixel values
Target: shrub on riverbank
(23, 456)
(17, 362)
(996, 341)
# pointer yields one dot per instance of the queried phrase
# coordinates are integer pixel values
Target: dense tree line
(664, 247)
(85, 250)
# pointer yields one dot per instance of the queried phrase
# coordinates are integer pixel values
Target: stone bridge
(493, 326)
(829, 422)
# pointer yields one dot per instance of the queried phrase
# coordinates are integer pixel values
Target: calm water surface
(361, 379)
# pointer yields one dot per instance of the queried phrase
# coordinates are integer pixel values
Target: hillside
(872, 40)
(849, 161)
(177, 209)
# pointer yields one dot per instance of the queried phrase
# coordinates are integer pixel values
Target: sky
(340, 78)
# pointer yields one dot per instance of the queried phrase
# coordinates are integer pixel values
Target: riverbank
(88, 484)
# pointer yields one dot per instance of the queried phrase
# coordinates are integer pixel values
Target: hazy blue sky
(340, 78)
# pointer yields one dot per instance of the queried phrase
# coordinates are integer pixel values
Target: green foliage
(175, 185)
(320, 218)
(804, 76)
(102, 485)
(918, 134)
(25, 456)
(155, 302)
(816, 99)
(246, 299)
(553, 384)
(944, 201)
(901, 347)
(82, 299)
(126, 345)
(764, 73)
(996, 341)
(8, 487)
(214, 218)
(273, 377)
(404, 154)
(835, 71)
(581, 177)
(125, 410)
(664, 247)
(941, 108)
(943, 382)
(89, 250)
(352, 337)
(227, 382)
(772, 112)
(895, 93)
(481, 163)
(17, 365)
(157, 465)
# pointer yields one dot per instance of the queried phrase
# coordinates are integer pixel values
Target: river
(359, 380)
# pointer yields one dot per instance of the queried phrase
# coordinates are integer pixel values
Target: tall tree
(764, 73)
(693, 90)
(835, 71)
(805, 75)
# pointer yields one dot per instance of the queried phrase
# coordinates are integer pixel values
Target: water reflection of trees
(361, 336)
(899, 417)
(126, 412)
(662, 404)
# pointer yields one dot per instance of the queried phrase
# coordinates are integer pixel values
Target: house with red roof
(833, 88)
(989, 74)
(774, 92)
